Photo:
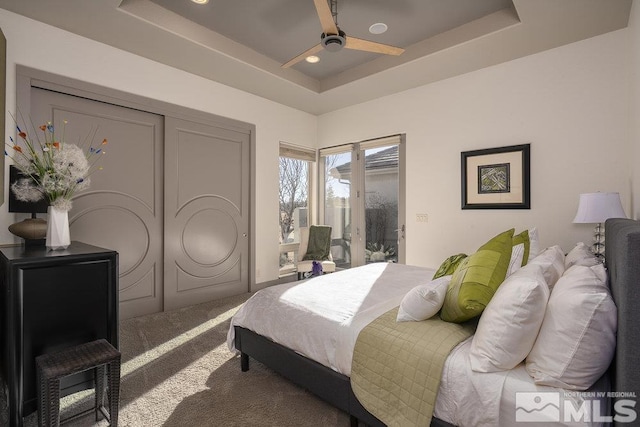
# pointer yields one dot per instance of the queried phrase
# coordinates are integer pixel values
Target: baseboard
(290, 278)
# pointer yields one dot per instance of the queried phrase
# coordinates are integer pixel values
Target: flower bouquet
(55, 170)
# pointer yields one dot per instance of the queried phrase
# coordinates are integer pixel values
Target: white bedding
(468, 398)
(321, 318)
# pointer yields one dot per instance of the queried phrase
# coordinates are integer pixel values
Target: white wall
(634, 110)
(570, 103)
(40, 46)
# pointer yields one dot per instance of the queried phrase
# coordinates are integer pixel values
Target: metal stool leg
(99, 372)
(42, 393)
(52, 404)
(114, 391)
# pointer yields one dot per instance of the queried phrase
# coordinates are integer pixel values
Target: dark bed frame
(623, 263)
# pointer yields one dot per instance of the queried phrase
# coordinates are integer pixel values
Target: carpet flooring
(178, 371)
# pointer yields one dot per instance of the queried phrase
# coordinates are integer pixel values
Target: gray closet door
(122, 209)
(206, 211)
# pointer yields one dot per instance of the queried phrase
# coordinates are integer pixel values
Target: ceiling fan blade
(369, 46)
(326, 17)
(317, 48)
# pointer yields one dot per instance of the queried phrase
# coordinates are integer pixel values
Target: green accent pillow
(523, 238)
(449, 265)
(477, 278)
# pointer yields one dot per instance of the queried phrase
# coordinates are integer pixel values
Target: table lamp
(596, 208)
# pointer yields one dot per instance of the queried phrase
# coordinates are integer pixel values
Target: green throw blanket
(319, 243)
(397, 366)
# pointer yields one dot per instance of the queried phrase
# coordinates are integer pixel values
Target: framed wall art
(496, 178)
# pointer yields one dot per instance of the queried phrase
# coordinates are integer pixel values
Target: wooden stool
(96, 355)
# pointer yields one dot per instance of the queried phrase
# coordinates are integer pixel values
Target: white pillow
(578, 335)
(423, 301)
(580, 255)
(517, 254)
(509, 325)
(552, 262)
(534, 244)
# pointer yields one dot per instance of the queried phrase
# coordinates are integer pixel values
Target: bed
(327, 374)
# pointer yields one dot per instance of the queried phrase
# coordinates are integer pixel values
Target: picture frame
(497, 178)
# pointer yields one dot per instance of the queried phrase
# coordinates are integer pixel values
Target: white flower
(62, 204)
(55, 169)
(68, 171)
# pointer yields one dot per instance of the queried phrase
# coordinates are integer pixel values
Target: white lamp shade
(598, 207)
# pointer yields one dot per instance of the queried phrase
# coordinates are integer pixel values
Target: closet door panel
(206, 212)
(122, 209)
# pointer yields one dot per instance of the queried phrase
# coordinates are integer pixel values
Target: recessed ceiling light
(200, 1)
(378, 28)
(312, 59)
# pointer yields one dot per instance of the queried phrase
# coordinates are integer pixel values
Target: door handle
(401, 230)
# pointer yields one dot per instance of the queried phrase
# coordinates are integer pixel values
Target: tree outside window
(294, 194)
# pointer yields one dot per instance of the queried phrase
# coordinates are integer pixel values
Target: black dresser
(51, 300)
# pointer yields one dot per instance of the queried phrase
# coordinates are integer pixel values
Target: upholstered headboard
(623, 264)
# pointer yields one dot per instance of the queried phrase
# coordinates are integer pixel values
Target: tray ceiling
(243, 43)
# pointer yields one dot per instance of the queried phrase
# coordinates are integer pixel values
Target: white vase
(58, 229)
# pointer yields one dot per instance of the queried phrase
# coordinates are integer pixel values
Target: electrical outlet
(422, 217)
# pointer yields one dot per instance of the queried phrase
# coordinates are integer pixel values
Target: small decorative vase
(58, 229)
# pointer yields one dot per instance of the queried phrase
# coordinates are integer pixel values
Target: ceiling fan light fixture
(378, 28)
(334, 39)
(333, 42)
(312, 59)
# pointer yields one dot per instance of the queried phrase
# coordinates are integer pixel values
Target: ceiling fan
(334, 39)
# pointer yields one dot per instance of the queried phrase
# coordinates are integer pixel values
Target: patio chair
(315, 245)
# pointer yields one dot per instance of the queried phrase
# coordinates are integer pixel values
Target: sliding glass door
(337, 204)
(381, 190)
(363, 201)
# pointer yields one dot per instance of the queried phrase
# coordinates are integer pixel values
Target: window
(294, 201)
